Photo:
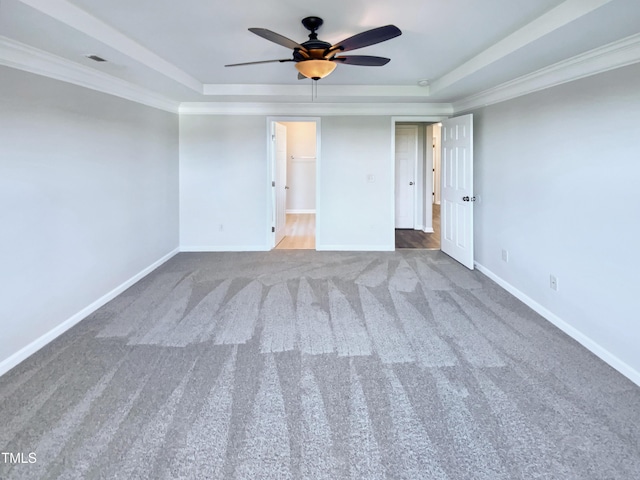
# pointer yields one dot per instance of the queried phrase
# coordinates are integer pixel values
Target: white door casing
(406, 157)
(457, 189)
(427, 181)
(280, 181)
(437, 151)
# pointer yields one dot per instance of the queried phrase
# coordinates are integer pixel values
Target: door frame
(271, 165)
(392, 163)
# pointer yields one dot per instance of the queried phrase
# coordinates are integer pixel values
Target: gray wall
(558, 174)
(223, 182)
(88, 199)
(355, 214)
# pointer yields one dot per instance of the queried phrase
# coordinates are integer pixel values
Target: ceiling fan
(316, 59)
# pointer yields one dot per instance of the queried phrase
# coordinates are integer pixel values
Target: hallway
(406, 238)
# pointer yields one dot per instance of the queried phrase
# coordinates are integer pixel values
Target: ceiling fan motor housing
(316, 49)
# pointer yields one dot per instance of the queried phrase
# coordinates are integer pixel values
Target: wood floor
(300, 232)
(419, 239)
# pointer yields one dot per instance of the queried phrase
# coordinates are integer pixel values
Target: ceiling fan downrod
(312, 24)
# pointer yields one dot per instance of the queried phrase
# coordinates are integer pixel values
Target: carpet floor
(317, 365)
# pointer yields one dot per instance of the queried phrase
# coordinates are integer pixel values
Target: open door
(457, 189)
(280, 181)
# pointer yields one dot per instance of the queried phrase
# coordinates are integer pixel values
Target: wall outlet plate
(553, 282)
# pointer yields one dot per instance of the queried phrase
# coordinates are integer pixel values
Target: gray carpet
(318, 365)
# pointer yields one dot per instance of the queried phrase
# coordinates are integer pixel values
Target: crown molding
(302, 90)
(614, 55)
(565, 13)
(84, 22)
(599, 60)
(24, 57)
(327, 109)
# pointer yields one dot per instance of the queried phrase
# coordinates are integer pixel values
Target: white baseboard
(428, 230)
(301, 210)
(356, 248)
(10, 362)
(224, 248)
(573, 332)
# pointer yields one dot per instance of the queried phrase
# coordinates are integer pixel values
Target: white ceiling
(179, 48)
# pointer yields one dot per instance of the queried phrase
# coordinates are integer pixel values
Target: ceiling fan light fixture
(315, 69)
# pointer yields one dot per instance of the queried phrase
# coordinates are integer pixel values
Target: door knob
(410, 183)
(467, 199)
(286, 187)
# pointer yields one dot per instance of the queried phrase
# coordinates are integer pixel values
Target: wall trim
(428, 230)
(81, 20)
(224, 248)
(315, 109)
(24, 57)
(356, 248)
(599, 60)
(302, 90)
(566, 12)
(25, 352)
(301, 210)
(573, 332)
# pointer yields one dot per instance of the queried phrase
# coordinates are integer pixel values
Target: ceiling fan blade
(364, 39)
(277, 38)
(301, 77)
(261, 61)
(365, 60)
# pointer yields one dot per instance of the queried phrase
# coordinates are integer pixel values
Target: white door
(457, 189)
(406, 162)
(280, 181)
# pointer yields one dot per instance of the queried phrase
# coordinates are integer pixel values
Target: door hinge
(273, 137)
(273, 184)
(273, 229)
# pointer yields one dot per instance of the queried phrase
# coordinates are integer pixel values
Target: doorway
(417, 208)
(295, 163)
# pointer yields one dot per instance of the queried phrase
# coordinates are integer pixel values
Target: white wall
(558, 174)
(88, 199)
(301, 166)
(354, 214)
(223, 182)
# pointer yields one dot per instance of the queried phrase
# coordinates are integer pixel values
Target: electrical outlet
(221, 228)
(505, 255)
(553, 282)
